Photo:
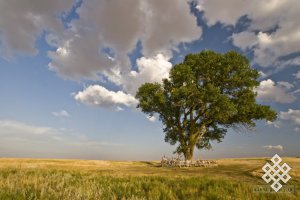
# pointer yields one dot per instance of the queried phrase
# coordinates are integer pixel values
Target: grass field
(91, 179)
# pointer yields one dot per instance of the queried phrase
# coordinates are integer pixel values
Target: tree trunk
(189, 152)
(189, 145)
(192, 141)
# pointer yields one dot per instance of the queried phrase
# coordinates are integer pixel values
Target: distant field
(91, 179)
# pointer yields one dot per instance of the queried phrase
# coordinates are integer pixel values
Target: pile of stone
(178, 162)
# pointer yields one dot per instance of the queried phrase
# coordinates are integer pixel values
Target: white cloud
(167, 24)
(297, 75)
(268, 90)
(279, 15)
(152, 70)
(27, 140)
(21, 22)
(276, 124)
(160, 25)
(263, 75)
(118, 108)
(283, 63)
(296, 91)
(151, 118)
(231, 11)
(271, 147)
(82, 58)
(11, 128)
(291, 115)
(296, 129)
(245, 40)
(61, 113)
(96, 95)
(149, 70)
(285, 84)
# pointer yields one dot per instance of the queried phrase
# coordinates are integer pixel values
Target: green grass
(79, 179)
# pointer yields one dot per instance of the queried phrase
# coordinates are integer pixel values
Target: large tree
(204, 96)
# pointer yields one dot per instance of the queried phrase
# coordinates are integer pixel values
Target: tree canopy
(204, 96)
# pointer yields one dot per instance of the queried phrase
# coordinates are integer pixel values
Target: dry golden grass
(94, 179)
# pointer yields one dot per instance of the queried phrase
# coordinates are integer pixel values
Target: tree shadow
(151, 164)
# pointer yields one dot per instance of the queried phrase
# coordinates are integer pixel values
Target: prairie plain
(95, 179)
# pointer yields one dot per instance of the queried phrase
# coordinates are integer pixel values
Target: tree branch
(203, 111)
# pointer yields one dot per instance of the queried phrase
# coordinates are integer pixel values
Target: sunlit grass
(80, 179)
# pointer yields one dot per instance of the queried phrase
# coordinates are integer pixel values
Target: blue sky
(69, 71)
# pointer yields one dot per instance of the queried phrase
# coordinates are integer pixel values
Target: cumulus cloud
(149, 70)
(297, 75)
(276, 15)
(276, 124)
(61, 113)
(21, 22)
(151, 118)
(96, 95)
(281, 64)
(279, 92)
(81, 46)
(118, 109)
(78, 57)
(291, 115)
(152, 70)
(245, 40)
(263, 75)
(229, 14)
(160, 25)
(168, 23)
(271, 147)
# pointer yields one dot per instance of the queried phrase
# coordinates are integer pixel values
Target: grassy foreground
(89, 179)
